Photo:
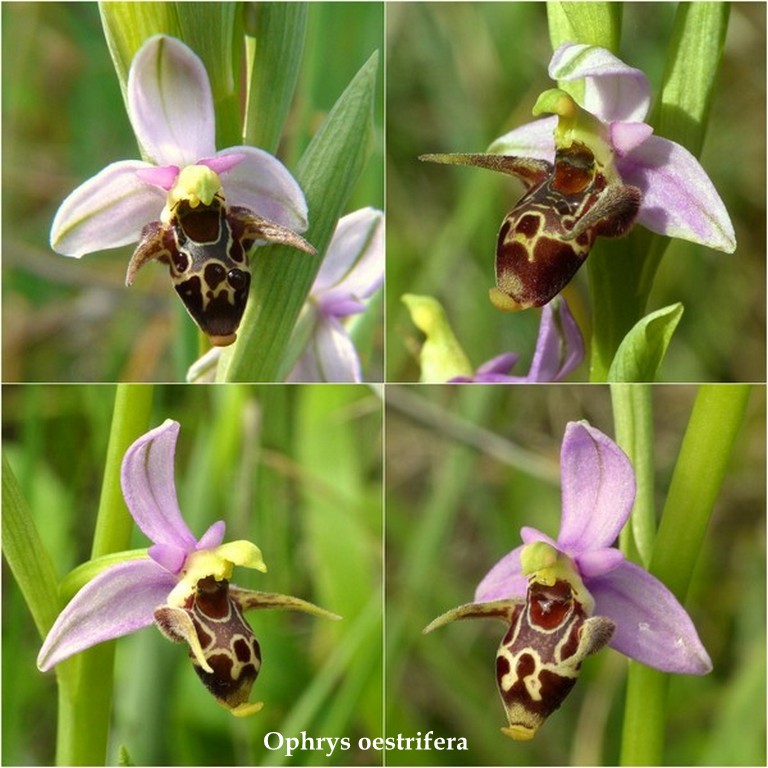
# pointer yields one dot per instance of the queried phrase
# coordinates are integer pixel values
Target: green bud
(442, 357)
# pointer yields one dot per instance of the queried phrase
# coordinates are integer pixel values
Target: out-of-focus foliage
(259, 458)
(466, 467)
(462, 74)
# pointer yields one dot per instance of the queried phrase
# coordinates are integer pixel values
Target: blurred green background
(297, 470)
(466, 467)
(460, 75)
(63, 120)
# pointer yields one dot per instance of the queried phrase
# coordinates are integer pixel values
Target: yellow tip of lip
(245, 710)
(519, 732)
(502, 301)
(223, 341)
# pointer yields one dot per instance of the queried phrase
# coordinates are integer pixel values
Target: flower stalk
(86, 683)
(709, 441)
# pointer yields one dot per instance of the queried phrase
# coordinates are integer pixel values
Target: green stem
(85, 704)
(709, 440)
(633, 417)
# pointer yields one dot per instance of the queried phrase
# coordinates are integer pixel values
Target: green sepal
(282, 276)
(640, 354)
(274, 38)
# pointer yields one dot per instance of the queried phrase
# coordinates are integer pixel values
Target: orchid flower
(194, 208)
(568, 597)
(559, 347)
(592, 169)
(182, 585)
(352, 271)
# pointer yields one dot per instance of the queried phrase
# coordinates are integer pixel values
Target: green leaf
(642, 351)
(590, 23)
(26, 556)
(691, 73)
(621, 273)
(282, 276)
(714, 426)
(717, 416)
(633, 419)
(275, 35)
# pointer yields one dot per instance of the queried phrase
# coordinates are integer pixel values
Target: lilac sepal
(107, 211)
(651, 625)
(118, 601)
(167, 83)
(150, 491)
(679, 200)
(598, 489)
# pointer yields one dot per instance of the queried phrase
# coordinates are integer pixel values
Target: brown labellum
(539, 659)
(548, 235)
(223, 649)
(222, 646)
(206, 249)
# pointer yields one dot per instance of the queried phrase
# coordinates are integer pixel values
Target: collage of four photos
(328, 327)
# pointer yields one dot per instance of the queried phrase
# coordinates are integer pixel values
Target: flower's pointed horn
(262, 230)
(497, 609)
(529, 170)
(250, 600)
(151, 247)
